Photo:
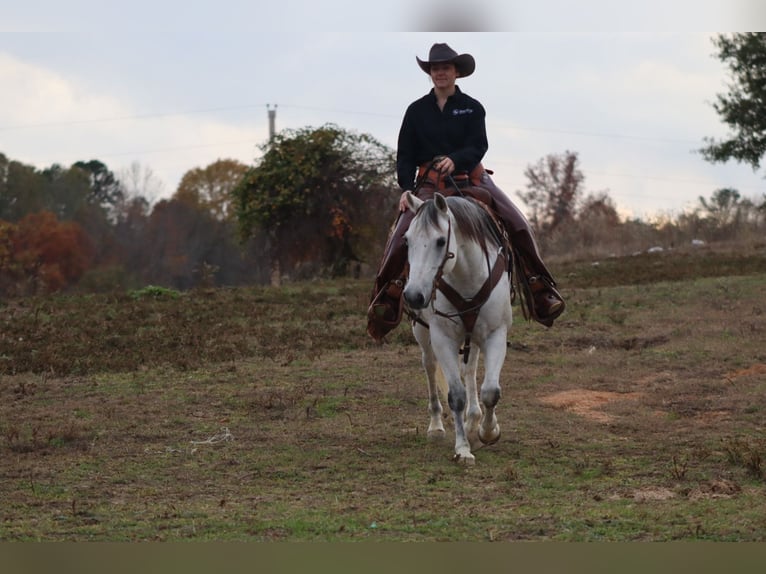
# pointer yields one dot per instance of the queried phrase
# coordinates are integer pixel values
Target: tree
(22, 190)
(9, 269)
(743, 108)
(722, 207)
(140, 181)
(211, 188)
(599, 207)
(43, 252)
(553, 190)
(67, 191)
(80, 192)
(105, 189)
(597, 220)
(319, 193)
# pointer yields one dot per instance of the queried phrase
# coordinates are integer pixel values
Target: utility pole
(276, 271)
(272, 120)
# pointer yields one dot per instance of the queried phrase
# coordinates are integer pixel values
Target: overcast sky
(175, 86)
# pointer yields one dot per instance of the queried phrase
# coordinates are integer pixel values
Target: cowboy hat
(443, 54)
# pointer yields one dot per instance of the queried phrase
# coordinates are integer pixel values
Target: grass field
(263, 414)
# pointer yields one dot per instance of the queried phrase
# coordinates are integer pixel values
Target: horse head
(430, 248)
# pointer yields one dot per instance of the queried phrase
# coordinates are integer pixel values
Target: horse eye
(441, 242)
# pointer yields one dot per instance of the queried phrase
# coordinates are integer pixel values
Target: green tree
(743, 108)
(211, 188)
(722, 206)
(23, 190)
(105, 189)
(67, 191)
(320, 195)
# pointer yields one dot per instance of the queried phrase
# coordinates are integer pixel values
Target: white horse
(459, 293)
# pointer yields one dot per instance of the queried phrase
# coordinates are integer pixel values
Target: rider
(443, 139)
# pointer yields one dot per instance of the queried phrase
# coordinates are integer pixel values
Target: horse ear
(412, 202)
(440, 202)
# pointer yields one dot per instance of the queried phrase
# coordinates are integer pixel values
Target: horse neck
(471, 268)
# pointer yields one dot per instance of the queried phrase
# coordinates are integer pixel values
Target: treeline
(319, 202)
(573, 223)
(80, 225)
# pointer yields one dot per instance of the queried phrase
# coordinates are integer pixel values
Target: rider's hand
(403, 201)
(445, 165)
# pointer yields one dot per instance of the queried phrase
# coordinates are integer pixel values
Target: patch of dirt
(756, 369)
(720, 488)
(653, 494)
(587, 403)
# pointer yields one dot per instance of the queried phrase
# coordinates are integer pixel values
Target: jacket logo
(462, 112)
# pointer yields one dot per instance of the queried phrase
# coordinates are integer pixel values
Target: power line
(155, 115)
(176, 148)
(128, 118)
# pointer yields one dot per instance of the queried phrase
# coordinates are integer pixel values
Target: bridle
(467, 309)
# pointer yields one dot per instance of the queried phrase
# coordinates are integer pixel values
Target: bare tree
(553, 190)
(140, 181)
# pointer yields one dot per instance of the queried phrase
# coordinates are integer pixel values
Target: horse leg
(494, 356)
(435, 426)
(473, 411)
(447, 355)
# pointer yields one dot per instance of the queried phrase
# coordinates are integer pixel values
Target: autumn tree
(189, 247)
(323, 196)
(743, 107)
(211, 188)
(554, 188)
(41, 253)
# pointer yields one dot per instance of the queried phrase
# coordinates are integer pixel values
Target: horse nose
(415, 299)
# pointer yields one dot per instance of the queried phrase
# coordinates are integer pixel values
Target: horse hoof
(464, 459)
(493, 437)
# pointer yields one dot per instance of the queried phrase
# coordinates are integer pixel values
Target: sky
(170, 86)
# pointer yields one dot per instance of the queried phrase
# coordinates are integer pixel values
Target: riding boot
(543, 302)
(386, 301)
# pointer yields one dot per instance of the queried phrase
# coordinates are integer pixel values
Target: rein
(423, 179)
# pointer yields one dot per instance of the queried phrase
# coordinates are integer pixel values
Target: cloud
(40, 96)
(47, 118)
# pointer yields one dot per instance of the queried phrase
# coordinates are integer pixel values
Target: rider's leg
(385, 310)
(546, 302)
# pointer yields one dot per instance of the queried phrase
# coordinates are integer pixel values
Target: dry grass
(256, 414)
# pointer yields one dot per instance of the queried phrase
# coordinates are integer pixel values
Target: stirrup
(534, 285)
(385, 310)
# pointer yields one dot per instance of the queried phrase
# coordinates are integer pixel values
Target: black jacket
(458, 131)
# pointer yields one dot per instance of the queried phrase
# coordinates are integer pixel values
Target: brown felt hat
(443, 54)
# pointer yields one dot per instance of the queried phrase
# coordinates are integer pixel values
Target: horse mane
(472, 220)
